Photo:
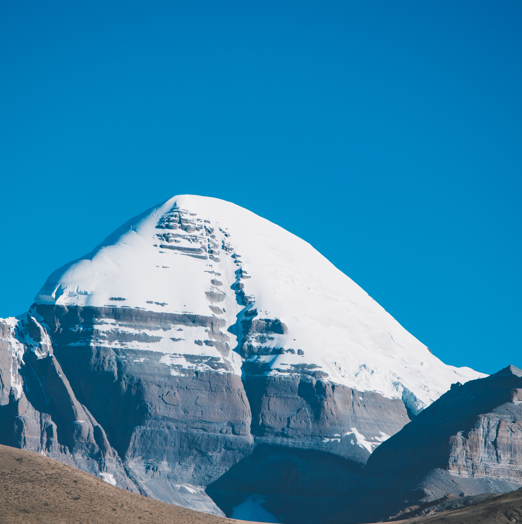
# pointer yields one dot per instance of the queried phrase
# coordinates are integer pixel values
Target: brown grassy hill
(38, 490)
(497, 509)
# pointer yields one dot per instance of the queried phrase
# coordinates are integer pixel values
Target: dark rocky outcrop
(169, 430)
(467, 443)
(474, 431)
(42, 413)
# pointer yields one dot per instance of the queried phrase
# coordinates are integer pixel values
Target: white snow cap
(175, 256)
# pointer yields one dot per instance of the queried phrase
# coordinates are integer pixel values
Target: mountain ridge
(466, 444)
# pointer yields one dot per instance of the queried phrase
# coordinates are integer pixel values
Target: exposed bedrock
(8, 364)
(297, 410)
(467, 442)
(313, 439)
(42, 413)
(60, 318)
(196, 422)
(301, 411)
(170, 431)
(474, 430)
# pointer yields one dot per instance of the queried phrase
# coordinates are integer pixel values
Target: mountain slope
(467, 443)
(497, 509)
(196, 332)
(167, 261)
(38, 490)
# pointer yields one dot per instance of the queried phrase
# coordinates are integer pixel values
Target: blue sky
(386, 134)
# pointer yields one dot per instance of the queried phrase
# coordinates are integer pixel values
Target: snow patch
(335, 438)
(361, 440)
(109, 478)
(17, 353)
(187, 487)
(382, 438)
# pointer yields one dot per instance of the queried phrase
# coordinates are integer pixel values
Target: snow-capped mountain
(194, 333)
(291, 310)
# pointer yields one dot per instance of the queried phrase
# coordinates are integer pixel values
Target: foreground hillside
(498, 509)
(38, 490)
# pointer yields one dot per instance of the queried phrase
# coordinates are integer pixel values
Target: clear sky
(386, 134)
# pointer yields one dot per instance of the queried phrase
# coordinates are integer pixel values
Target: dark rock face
(466, 443)
(42, 414)
(168, 430)
(74, 386)
(87, 397)
(316, 414)
(472, 431)
(297, 485)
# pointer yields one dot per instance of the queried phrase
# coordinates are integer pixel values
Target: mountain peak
(208, 257)
(200, 326)
(510, 370)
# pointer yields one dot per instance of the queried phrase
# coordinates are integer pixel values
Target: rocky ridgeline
(474, 431)
(467, 443)
(39, 410)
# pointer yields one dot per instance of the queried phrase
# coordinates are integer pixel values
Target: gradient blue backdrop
(388, 135)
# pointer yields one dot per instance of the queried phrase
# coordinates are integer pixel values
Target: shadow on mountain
(293, 485)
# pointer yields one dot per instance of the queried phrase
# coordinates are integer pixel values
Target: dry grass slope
(38, 490)
(500, 509)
